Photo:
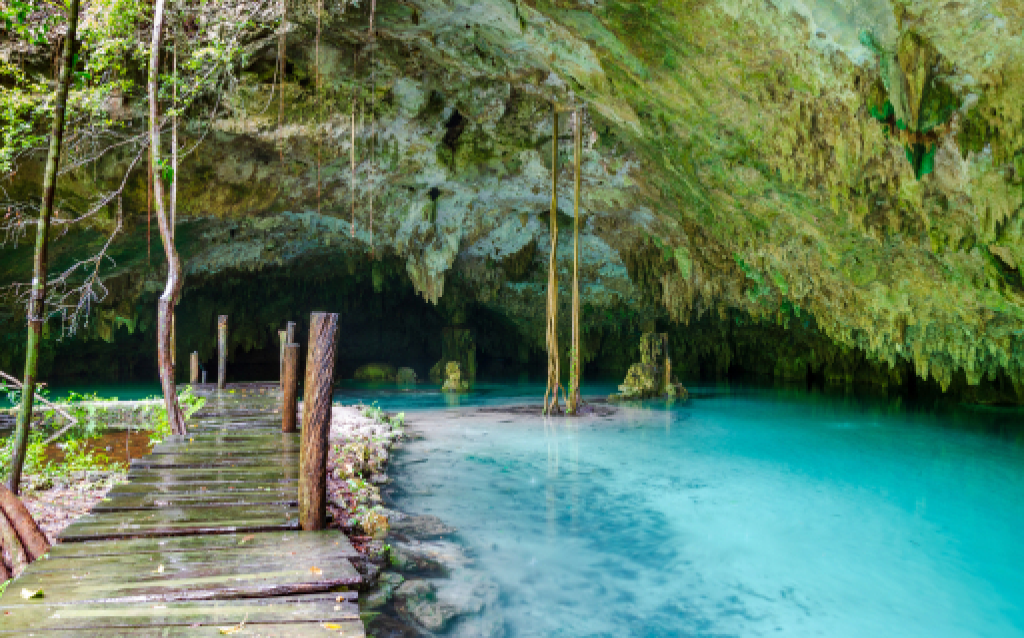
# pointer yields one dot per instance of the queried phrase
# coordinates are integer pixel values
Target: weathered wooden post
(193, 372)
(222, 351)
(283, 338)
(290, 387)
(316, 420)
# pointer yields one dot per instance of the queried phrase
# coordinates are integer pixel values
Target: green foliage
(160, 427)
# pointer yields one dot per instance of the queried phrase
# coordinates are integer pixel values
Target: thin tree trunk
(174, 194)
(319, 101)
(554, 386)
(169, 297)
(352, 161)
(36, 309)
(31, 537)
(575, 363)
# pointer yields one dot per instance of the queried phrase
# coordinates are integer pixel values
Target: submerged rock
(387, 583)
(421, 526)
(405, 376)
(418, 599)
(375, 372)
(453, 379)
(652, 377)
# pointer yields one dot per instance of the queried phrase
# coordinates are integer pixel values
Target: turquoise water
(745, 512)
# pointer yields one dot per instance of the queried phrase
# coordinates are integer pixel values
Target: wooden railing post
(193, 372)
(290, 387)
(222, 351)
(283, 338)
(316, 420)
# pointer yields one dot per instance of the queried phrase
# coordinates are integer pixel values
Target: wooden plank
(212, 475)
(276, 485)
(223, 498)
(177, 521)
(91, 582)
(346, 629)
(296, 542)
(119, 565)
(262, 461)
(316, 608)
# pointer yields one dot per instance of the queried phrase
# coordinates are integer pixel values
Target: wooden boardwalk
(201, 541)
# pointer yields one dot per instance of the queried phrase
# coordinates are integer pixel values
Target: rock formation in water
(815, 189)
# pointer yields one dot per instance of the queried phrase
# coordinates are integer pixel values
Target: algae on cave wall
(738, 171)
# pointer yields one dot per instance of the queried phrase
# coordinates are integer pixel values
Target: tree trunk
(36, 309)
(282, 42)
(31, 537)
(169, 297)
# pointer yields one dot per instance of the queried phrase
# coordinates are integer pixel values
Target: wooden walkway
(201, 541)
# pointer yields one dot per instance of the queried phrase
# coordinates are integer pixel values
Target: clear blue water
(744, 512)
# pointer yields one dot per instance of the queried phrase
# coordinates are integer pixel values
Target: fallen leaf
(246, 539)
(159, 570)
(28, 593)
(332, 626)
(340, 599)
(316, 571)
(234, 629)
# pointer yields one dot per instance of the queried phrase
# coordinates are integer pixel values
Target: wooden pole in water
(290, 387)
(316, 420)
(193, 373)
(222, 351)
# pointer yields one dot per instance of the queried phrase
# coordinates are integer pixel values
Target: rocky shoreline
(419, 578)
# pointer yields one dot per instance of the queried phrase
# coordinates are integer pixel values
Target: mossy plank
(306, 541)
(344, 629)
(316, 608)
(143, 562)
(184, 571)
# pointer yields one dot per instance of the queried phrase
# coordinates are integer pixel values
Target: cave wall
(790, 188)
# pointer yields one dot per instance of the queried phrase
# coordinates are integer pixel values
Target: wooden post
(193, 373)
(283, 338)
(290, 387)
(316, 420)
(290, 331)
(222, 351)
